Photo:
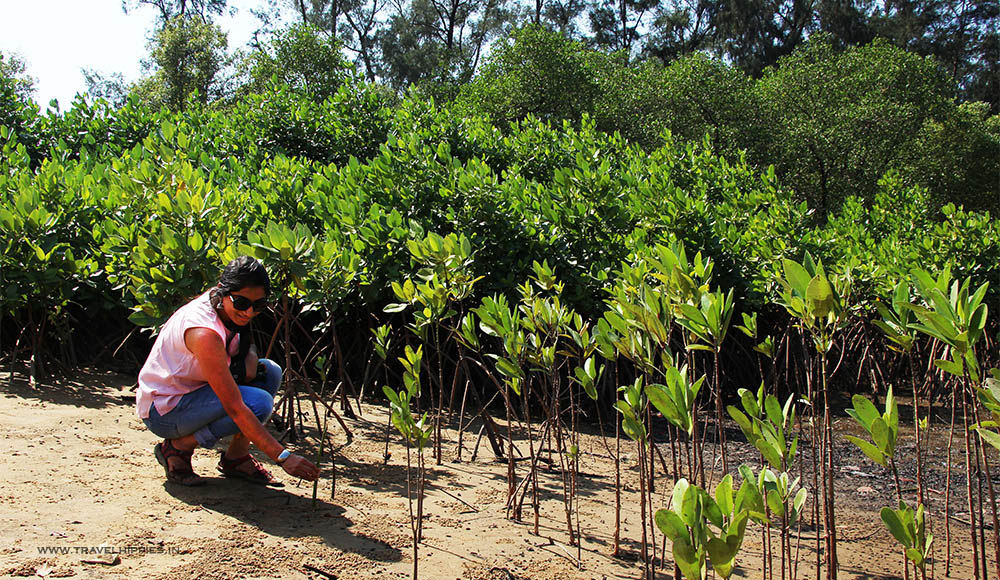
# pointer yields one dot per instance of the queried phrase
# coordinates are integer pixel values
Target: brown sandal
(183, 475)
(259, 475)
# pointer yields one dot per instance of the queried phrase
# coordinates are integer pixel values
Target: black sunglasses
(242, 303)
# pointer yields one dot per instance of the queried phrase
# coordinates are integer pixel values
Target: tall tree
(754, 34)
(983, 82)
(170, 9)
(961, 38)
(356, 24)
(679, 28)
(14, 73)
(957, 158)
(321, 14)
(560, 15)
(360, 33)
(963, 35)
(301, 57)
(563, 16)
(17, 111)
(185, 57)
(111, 87)
(849, 22)
(615, 24)
(838, 120)
(439, 40)
(535, 72)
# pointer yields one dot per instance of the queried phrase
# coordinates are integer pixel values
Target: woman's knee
(259, 401)
(272, 376)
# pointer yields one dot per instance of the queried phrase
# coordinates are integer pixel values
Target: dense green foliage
(832, 122)
(140, 207)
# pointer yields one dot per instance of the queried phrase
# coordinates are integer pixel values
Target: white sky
(58, 38)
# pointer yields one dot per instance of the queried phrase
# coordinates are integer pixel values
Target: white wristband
(285, 454)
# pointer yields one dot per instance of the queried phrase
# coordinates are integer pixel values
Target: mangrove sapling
(767, 426)
(765, 349)
(989, 395)
(467, 338)
(632, 408)
(639, 322)
(469, 344)
(547, 322)
(676, 400)
(319, 461)
(382, 343)
(909, 529)
(819, 304)
(323, 369)
(884, 431)
(957, 319)
(497, 319)
(444, 280)
(586, 376)
(530, 334)
(417, 432)
(684, 281)
(689, 526)
(782, 497)
(289, 253)
(780, 501)
(637, 327)
(709, 321)
(332, 277)
(897, 325)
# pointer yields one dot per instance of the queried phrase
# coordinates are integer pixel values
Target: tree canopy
(834, 94)
(831, 121)
(185, 58)
(300, 57)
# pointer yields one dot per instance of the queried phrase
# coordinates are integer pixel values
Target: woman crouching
(189, 395)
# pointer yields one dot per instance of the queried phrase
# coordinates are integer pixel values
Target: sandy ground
(83, 497)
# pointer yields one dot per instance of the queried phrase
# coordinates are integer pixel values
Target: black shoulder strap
(237, 365)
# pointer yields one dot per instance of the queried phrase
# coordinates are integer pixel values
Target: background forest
(832, 94)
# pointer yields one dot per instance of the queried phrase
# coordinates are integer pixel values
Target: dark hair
(242, 272)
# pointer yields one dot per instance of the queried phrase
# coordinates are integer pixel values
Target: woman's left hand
(300, 467)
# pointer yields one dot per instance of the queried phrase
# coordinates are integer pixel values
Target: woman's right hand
(300, 467)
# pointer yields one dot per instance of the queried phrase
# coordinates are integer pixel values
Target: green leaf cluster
(816, 301)
(416, 431)
(766, 424)
(676, 398)
(883, 429)
(771, 493)
(909, 529)
(631, 406)
(702, 528)
(953, 314)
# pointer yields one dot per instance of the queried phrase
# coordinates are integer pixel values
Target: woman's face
(240, 306)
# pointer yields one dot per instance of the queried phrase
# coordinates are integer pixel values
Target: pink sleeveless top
(171, 370)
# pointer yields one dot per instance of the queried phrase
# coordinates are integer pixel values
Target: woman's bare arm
(211, 355)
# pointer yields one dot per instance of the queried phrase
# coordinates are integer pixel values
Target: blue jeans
(200, 412)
